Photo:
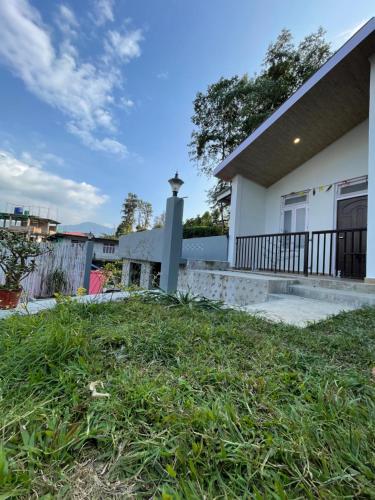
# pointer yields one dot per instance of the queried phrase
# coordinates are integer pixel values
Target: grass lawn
(203, 404)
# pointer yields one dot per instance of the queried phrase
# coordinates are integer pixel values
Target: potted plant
(17, 260)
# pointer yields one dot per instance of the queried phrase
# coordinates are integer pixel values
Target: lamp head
(175, 183)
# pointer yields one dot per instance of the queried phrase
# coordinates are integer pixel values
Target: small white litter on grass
(95, 393)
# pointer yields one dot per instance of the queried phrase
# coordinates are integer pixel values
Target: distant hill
(86, 227)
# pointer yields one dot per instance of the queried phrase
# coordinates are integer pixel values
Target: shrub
(201, 231)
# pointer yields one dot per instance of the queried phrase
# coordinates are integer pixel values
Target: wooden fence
(65, 257)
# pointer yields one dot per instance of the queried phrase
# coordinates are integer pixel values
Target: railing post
(306, 255)
(236, 261)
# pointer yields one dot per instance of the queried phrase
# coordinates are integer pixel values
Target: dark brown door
(351, 244)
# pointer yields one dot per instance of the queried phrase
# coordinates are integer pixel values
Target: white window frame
(108, 248)
(293, 207)
(354, 194)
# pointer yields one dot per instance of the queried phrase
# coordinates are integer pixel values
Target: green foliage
(57, 282)
(112, 272)
(180, 299)
(128, 214)
(208, 224)
(232, 108)
(203, 404)
(17, 258)
(136, 214)
(159, 221)
(109, 236)
(144, 214)
(200, 220)
(201, 231)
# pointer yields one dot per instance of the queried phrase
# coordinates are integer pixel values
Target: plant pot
(9, 298)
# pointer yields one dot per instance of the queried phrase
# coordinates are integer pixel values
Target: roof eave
(333, 61)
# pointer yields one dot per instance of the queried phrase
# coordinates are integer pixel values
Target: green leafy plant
(17, 258)
(62, 299)
(202, 231)
(57, 282)
(180, 299)
(112, 274)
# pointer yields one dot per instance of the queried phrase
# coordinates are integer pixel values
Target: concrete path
(293, 310)
(35, 306)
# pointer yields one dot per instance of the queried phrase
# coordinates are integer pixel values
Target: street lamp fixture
(175, 184)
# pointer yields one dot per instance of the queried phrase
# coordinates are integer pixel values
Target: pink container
(97, 280)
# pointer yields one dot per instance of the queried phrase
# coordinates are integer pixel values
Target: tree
(207, 224)
(17, 258)
(128, 214)
(136, 214)
(144, 211)
(232, 108)
(159, 220)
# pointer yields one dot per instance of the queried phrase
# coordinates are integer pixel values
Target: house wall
(247, 213)
(100, 255)
(344, 159)
(257, 210)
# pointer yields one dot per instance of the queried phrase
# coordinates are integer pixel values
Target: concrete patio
(292, 299)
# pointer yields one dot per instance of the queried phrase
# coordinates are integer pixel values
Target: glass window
(108, 248)
(295, 199)
(300, 219)
(287, 221)
(353, 188)
(295, 214)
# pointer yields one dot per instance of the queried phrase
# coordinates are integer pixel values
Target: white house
(303, 183)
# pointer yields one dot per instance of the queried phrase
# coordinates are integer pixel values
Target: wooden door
(351, 244)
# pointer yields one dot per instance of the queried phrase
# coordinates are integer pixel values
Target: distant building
(25, 221)
(105, 249)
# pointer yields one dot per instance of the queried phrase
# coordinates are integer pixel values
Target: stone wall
(214, 281)
(228, 286)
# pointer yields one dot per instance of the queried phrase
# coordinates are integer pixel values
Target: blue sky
(96, 95)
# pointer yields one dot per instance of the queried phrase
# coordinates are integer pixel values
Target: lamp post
(172, 245)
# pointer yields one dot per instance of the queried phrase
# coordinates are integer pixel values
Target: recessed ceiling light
(297, 140)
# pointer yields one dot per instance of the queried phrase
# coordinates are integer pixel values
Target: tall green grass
(203, 404)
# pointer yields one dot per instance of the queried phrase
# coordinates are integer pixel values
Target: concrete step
(333, 295)
(323, 281)
(338, 284)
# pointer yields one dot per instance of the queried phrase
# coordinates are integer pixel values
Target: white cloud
(42, 159)
(82, 91)
(66, 20)
(127, 103)
(103, 12)
(28, 158)
(29, 184)
(52, 158)
(163, 75)
(125, 46)
(107, 144)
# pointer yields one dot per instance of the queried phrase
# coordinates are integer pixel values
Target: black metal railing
(337, 252)
(278, 252)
